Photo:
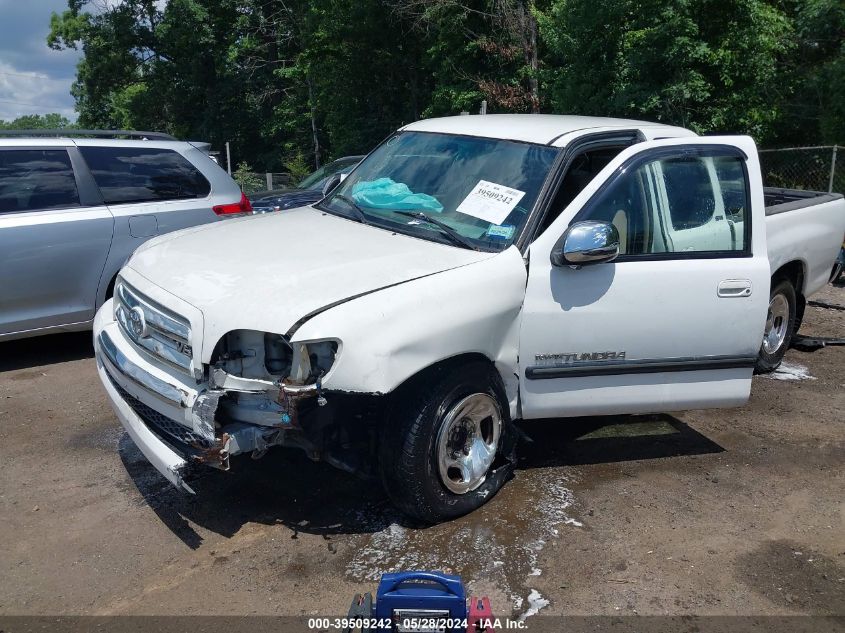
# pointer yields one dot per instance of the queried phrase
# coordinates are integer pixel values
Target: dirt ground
(702, 512)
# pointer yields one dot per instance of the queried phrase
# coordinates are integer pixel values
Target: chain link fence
(820, 168)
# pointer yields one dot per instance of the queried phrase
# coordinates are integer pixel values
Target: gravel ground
(702, 512)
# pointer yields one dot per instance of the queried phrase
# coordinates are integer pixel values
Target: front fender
(390, 335)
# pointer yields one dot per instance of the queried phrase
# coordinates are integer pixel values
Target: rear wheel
(838, 271)
(780, 326)
(441, 455)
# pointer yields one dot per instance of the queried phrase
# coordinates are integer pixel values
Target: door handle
(734, 288)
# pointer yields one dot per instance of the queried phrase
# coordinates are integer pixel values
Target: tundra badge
(578, 357)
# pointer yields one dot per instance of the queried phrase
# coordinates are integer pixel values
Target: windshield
(478, 188)
(319, 177)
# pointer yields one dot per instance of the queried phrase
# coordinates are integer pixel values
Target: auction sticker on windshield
(490, 202)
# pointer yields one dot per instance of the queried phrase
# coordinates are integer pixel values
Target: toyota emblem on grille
(137, 322)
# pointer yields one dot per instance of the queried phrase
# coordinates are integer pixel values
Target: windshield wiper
(359, 212)
(447, 230)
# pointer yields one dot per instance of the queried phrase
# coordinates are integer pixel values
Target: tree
(52, 121)
(171, 67)
(479, 49)
(711, 65)
(248, 180)
(272, 53)
(338, 74)
(302, 81)
(370, 73)
(815, 109)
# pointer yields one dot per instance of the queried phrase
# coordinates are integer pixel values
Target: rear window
(689, 192)
(130, 174)
(33, 179)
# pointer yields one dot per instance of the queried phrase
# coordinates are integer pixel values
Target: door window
(675, 205)
(34, 179)
(579, 174)
(143, 174)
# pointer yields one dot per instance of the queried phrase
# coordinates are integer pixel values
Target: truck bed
(783, 200)
(806, 227)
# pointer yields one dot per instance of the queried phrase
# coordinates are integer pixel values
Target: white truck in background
(470, 272)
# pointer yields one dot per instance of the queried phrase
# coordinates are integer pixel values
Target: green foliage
(477, 50)
(830, 83)
(247, 178)
(297, 167)
(816, 72)
(711, 65)
(52, 121)
(300, 82)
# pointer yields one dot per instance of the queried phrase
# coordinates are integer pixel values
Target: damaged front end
(264, 391)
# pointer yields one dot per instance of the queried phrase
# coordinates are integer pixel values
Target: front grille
(153, 328)
(167, 429)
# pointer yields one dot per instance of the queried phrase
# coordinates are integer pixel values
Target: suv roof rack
(132, 134)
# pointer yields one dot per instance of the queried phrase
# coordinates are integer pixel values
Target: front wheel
(441, 455)
(780, 323)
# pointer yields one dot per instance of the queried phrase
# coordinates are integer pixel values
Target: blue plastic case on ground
(421, 596)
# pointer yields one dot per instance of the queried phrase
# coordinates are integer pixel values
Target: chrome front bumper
(120, 364)
(169, 417)
(163, 458)
(153, 403)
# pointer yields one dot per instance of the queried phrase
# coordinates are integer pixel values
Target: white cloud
(23, 92)
(33, 78)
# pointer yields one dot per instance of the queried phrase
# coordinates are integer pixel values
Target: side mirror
(586, 243)
(333, 181)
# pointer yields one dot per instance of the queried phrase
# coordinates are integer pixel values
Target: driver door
(675, 322)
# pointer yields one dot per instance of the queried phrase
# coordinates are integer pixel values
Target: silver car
(72, 210)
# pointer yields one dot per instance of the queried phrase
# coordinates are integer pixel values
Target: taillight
(243, 206)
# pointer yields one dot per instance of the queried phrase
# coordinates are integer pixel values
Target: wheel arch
(440, 367)
(795, 273)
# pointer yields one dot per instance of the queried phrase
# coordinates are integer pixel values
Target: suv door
(675, 322)
(149, 190)
(54, 239)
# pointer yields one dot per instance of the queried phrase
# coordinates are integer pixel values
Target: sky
(34, 79)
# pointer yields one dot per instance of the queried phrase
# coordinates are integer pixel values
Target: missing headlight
(312, 360)
(278, 354)
(267, 356)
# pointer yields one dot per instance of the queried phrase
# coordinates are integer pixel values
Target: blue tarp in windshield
(385, 193)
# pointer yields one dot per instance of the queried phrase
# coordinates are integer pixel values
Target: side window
(143, 174)
(689, 192)
(35, 179)
(734, 191)
(581, 171)
(691, 203)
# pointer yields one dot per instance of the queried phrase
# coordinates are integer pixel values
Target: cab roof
(544, 129)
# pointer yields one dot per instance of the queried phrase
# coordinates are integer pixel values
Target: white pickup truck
(470, 272)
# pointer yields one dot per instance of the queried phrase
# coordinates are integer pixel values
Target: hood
(267, 272)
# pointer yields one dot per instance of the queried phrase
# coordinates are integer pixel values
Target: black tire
(408, 448)
(769, 360)
(838, 272)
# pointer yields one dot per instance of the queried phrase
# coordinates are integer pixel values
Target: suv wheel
(441, 455)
